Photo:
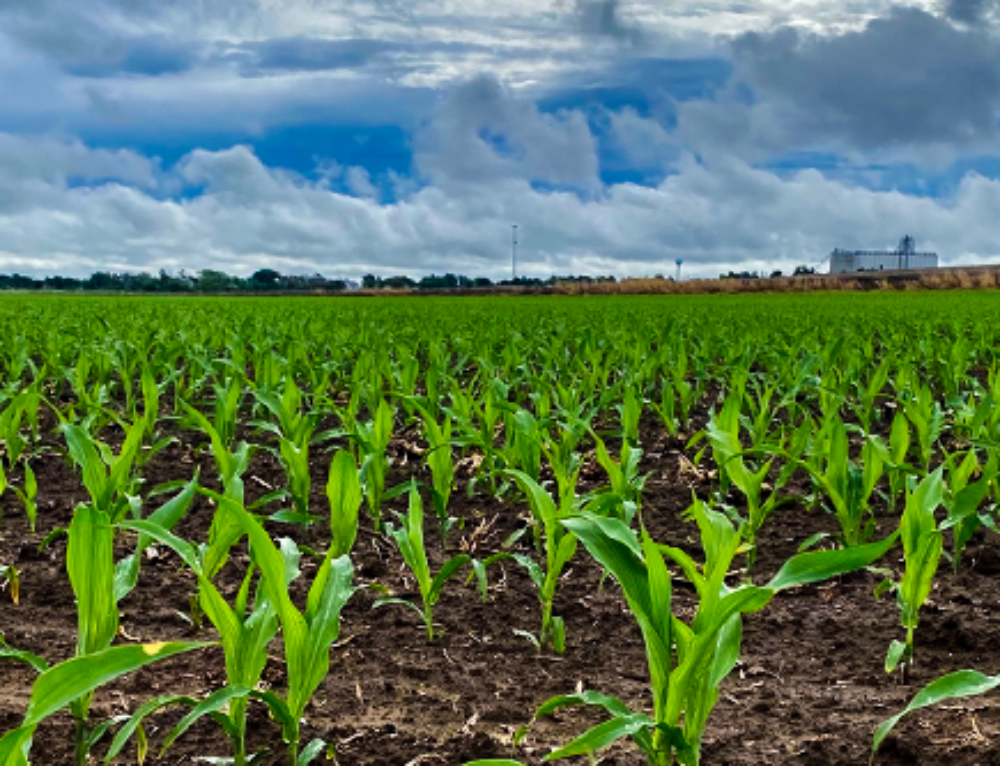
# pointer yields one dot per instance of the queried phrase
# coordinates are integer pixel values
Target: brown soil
(810, 687)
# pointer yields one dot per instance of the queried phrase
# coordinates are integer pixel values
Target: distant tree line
(262, 281)
(205, 281)
(800, 271)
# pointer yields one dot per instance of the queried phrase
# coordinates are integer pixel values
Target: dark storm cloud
(970, 11)
(909, 78)
(85, 44)
(603, 18)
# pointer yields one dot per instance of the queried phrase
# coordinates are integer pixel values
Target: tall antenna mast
(513, 252)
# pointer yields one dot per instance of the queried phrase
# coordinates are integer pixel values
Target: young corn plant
(108, 477)
(308, 635)
(373, 441)
(847, 485)
(897, 467)
(523, 448)
(442, 465)
(687, 663)
(559, 546)
(963, 500)
(90, 564)
(294, 430)
(245, 630)
(922, 547)
(153, 441)
(98, 585)
(723, 436)
(666, 408)
(409, 538)
(28, 494)
(626, 483)
(927, 417)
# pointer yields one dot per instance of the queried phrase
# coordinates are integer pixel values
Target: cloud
(604, 18)
(911, 79)
(484, 133)
(238, 215)
(971, 11)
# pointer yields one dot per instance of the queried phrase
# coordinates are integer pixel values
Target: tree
(210, 281)
(265, 279)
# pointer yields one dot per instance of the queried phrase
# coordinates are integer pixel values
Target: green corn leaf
(494, 762)
(602, 735)
(815, 566)
(311, 752)
(85, 455)
(542, 505)
(447, 571)
(133, 725)
(166, 517)
(15, 746)
(967, 501)
(617, 549)
(279, 712)
(529, 564)
(330, 592)
(91, 571)
(897, 651)
(30, 659)
(70, 680)
(728, 652)
(612, 705)
(963, 683)
(343, 490)
(918, 579)
(215, 702)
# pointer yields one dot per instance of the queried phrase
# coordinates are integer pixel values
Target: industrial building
(905, 256)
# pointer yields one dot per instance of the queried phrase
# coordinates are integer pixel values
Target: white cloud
(244, 216)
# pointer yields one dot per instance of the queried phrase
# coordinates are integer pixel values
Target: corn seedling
(924, 412)
(307, 635)
(559, 546)
(625, 483)
(847, 485)
(723, 436)
(442, 465)
(963, 499)
(28, 495)
(409, 538)
(245, 631)
(687, 663)
(922, 547)
(295, 431)
(108, 477)
(373, 441)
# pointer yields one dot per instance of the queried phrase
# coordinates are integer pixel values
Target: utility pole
(513, 251)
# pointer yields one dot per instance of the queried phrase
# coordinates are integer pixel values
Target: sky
(408, 136)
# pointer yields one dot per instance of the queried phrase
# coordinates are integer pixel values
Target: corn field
(500, 530)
